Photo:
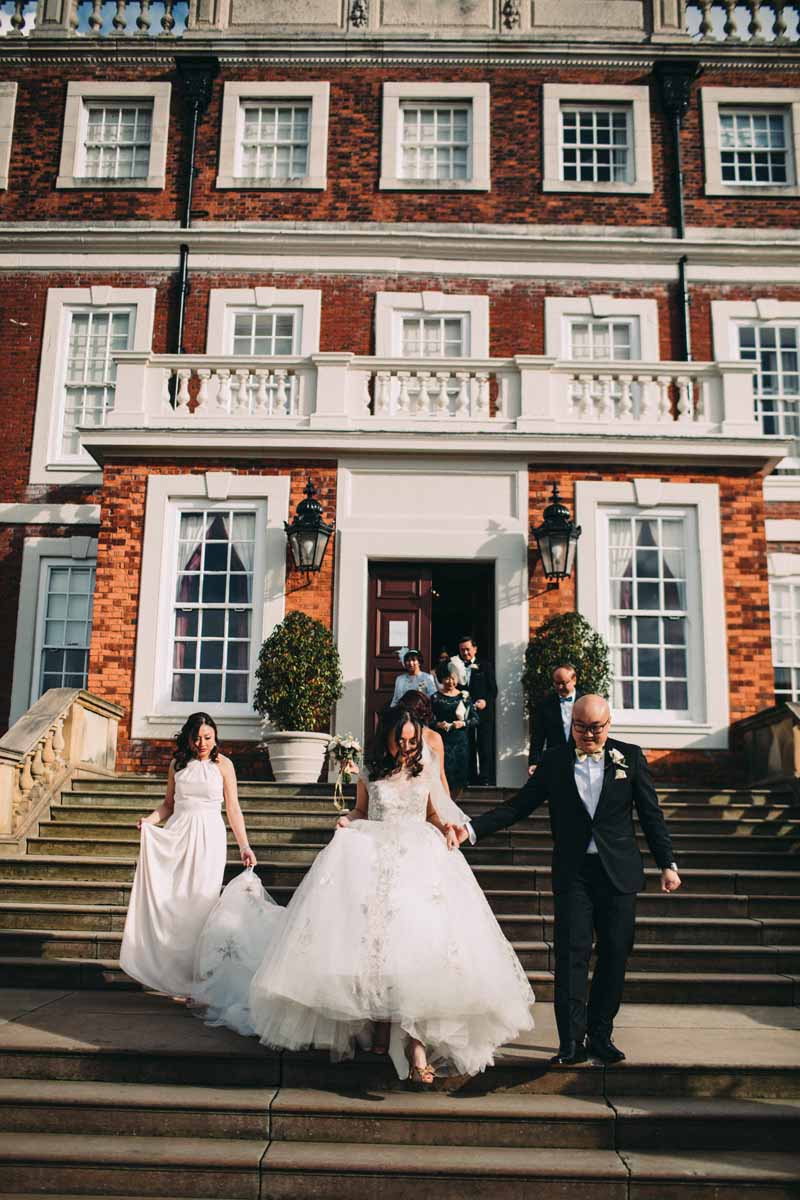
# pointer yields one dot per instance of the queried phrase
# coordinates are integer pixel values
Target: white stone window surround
(710, 730)
(559, 310)
(37, 554)
(490, 524)
(8, 104)
(234, 95)
(711, 99)
(782, 568)
(476, 95)
(79, 92)
(636, 96)
(154, 715)
(223, 304)
(391, 307)
(47, 464)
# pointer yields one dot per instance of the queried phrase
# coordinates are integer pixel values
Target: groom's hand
(670, 880)
(462, 834)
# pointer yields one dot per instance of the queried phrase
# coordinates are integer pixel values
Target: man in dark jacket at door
(552, 717)
(482, 688)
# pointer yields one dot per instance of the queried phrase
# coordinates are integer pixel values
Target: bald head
(590, 723)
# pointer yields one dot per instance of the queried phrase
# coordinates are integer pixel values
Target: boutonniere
(618, 760)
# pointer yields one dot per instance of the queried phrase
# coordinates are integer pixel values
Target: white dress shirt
(567, 706)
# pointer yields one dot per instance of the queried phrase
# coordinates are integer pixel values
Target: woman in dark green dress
(453, 715)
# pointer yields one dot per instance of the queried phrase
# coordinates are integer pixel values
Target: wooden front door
(399, 615)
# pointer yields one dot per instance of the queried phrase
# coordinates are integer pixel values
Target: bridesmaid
(181, 863)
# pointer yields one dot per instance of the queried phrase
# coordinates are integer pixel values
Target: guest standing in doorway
(454, 716)
(413, 679)
(482, 688)
(552, 717)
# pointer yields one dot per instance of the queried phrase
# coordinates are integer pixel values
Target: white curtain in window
(620, 548)
(190, 538)
(243, 538)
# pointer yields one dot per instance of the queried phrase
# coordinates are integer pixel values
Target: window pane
(435, 141)
(117, 142)
(65, 642)
(753, 146)
(596, 128)
(275, 140)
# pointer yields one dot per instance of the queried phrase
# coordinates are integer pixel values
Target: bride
(388, 941)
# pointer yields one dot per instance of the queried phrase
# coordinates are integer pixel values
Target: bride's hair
(380, 761)
(185, 750)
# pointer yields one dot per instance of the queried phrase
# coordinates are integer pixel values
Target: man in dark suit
(552, 717)
(482, 688)
(592, 790)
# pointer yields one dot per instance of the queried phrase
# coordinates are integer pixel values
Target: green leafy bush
(565, 638)
(299, 676)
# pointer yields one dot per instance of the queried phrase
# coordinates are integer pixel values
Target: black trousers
(481, 751)
(591, 906)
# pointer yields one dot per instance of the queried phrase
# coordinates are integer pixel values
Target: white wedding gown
(388, 925)
(177, 883)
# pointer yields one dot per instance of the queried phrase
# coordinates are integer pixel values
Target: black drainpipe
(197, 75)
(675, 78)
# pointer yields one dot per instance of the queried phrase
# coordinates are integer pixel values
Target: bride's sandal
(421, 1078)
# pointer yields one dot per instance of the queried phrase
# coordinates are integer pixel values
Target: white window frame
(37, 554)
(235, 95)
(595, 107)
(476, 95)
(8, 104)
(781, 568)
(708, 729)
(635, 96)
(71, 172)
(711, 100)
(154, 714)
(47, 463)
(225, 302)
(559, 312)
(391, 307)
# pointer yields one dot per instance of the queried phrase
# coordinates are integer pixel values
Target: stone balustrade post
(330, 407)
(738, 402)
(543, 392)
(55, 17)
(138, 393)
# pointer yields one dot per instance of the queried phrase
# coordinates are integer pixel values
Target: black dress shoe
(603, 1048)
(570, 1053)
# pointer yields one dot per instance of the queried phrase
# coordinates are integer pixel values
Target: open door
(399, 615)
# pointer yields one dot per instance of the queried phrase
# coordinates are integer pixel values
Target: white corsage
(618, 760)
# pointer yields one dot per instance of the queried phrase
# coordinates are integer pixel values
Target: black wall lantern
(308, 535)
(557, 539)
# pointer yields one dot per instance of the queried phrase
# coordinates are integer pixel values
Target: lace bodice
(399, 797)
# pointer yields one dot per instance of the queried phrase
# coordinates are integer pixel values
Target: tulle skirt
(388, 925)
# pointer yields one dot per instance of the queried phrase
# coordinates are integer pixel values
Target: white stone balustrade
(337, 390)
(756, 22)
(94, 18)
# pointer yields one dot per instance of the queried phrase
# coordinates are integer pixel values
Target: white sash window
(65, 631)
(775, 349)
(91, 372)
(784, 607)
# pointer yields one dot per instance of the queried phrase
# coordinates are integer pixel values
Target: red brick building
(435, 256)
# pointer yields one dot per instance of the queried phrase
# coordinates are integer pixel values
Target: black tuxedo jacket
(572, 827)
(483, 686)
(548, 729)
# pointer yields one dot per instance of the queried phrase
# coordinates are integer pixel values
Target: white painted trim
(557, 309)
(711, 98)
(8, 103)
(477, 94)
(453, 534)
(73, 143)
(35, 551)
(164, 493)
(782, 531)
(235, 93)
(222, 302)
(47, 464)
(389, 304)
(49, 514)
(783, 566)
(710, 731)
(637, 97)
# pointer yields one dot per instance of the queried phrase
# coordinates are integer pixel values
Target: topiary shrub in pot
(566, 638)
(298, 681)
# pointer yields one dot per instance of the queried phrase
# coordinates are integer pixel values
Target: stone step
(151, 1166)
(655, 1122)
(134, 1110)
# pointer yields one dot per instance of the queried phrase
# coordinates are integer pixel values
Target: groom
(592, 789)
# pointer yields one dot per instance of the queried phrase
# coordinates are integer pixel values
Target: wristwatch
(672, 867)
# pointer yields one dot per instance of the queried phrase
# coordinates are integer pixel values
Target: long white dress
(177, 883)
(388, 925)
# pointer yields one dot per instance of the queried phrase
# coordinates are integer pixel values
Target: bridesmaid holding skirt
(182, 862)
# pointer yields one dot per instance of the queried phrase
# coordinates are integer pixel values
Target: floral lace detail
(399, 797)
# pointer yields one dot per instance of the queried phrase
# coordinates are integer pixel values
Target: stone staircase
(105, 1090)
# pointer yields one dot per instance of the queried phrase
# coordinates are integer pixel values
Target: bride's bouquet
(346, 752)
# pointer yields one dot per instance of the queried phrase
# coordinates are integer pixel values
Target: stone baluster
(701, 401)
(625, 397)
(706, 19)
(95, 16)
(424, 395)
(664, 410)
(73, 19)
(48, 754)
(243, 391)
(755, 28)
(37, 769)
(585, 401)
(403, 397)
(443, 394)
(261, 401)
(203, 374)
(166, 393)
(26, 780)
(605, 405)
(685, 398)
(120, 20)
(383, 397)
(17, 18)
(59, 745)
(224, 390)
(730, 20)
(183, 374)
(462, 399)
(283, 400)
(502, 395)
(143, 19)
(235, 398)
(482, 394)
(647, 408)
(780, 27)
(168, 20)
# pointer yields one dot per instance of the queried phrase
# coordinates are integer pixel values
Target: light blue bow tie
(595, 756)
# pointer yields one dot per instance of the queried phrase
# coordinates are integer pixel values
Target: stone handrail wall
(94, 18)
(770, 743)
(67, 731)
(744, 22)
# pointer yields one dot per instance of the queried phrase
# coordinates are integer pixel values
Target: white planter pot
(296, 757)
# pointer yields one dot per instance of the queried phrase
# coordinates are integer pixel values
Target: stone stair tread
(132, 1152)
(720, 1108)
(135, 1095)
(718, 1166)
(439, 1105)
